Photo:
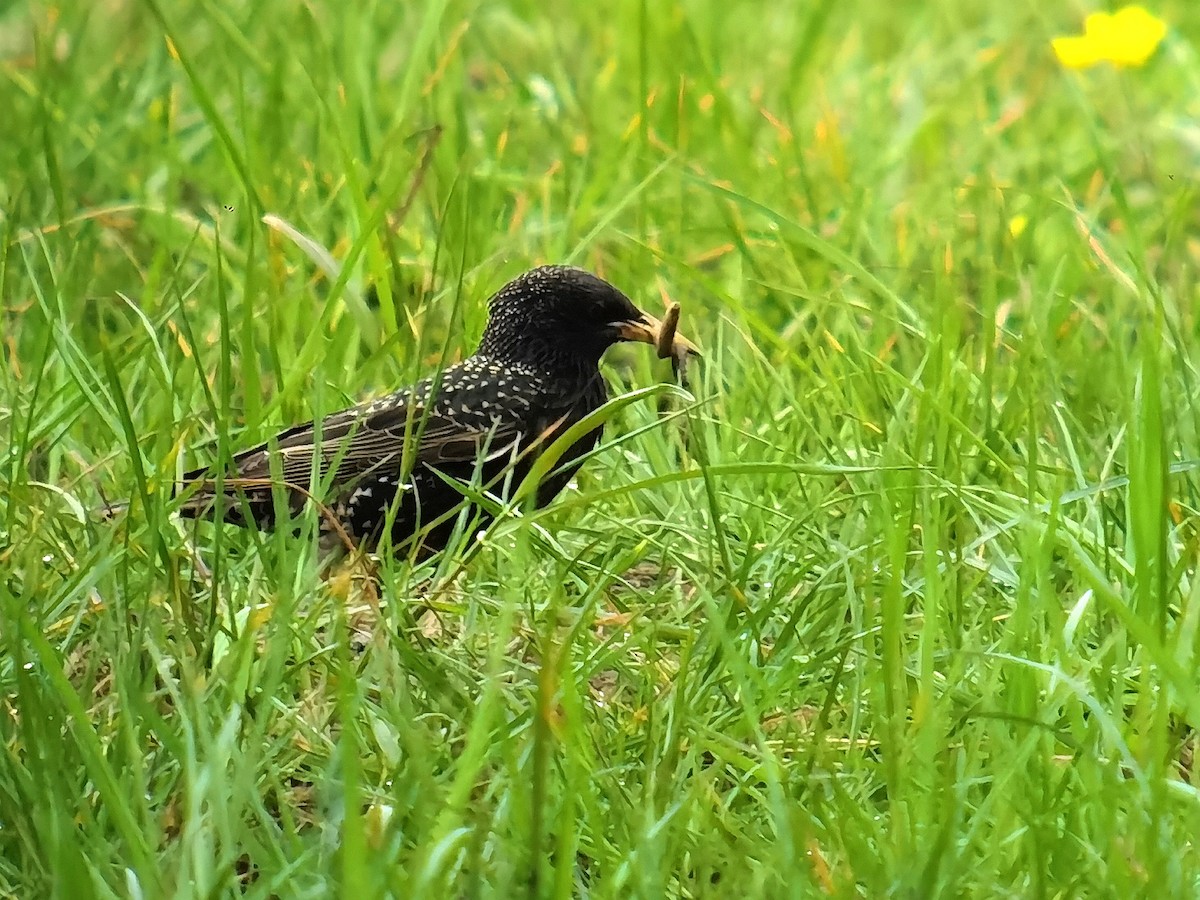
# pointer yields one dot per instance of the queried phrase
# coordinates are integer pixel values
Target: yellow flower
(1127, 37)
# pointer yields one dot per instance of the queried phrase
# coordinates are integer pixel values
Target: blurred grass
(905, 604)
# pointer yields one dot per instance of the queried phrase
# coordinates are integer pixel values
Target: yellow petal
(1075, 52)
(1127, 37)
(1098, 26)
(1136, 35)
(1017, 225)
(1140, 21)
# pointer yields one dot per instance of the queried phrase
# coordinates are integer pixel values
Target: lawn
(896, 596)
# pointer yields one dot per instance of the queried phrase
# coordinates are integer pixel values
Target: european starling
(536, 373)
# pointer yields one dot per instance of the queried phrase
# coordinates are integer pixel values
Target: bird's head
(556, 317)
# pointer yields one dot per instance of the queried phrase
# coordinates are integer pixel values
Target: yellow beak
(649, 330)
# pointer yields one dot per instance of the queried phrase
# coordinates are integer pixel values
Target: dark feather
(484, 420)
(461, 431)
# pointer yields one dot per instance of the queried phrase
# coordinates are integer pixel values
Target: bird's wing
(369, 437)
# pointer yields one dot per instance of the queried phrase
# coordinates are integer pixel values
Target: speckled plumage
(535, 374)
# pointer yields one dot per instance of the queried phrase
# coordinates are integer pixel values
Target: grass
(902, 601)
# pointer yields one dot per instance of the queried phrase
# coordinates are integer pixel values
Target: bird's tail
(202, 500)
(199, 505)
(110, 510)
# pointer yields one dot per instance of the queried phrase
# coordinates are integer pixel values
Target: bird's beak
(648, 330)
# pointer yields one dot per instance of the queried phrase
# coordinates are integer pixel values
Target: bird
(391, 464)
